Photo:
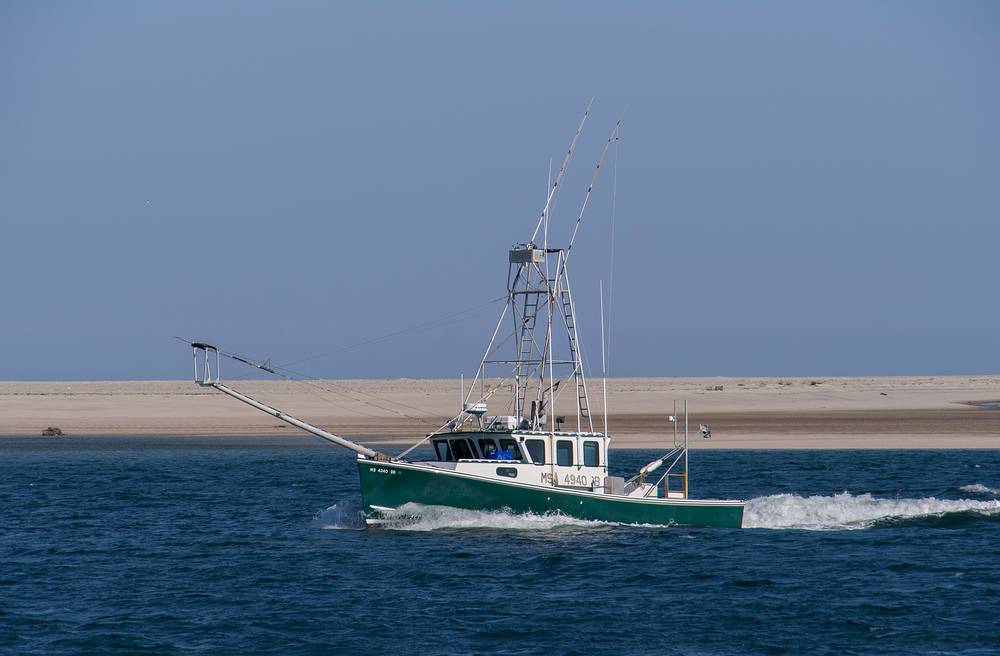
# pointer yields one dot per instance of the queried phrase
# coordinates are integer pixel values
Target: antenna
(604, 368)
(614, 213)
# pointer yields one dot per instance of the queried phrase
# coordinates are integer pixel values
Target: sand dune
(874, 412)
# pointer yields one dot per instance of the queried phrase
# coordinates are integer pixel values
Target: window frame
(597, 453)
(448, 456)
(483, 443)
(515, 448)
(466, 446)
(531, 441)
(561, 446)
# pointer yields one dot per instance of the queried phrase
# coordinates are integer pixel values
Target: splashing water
(979, 488)
(343, 515)
(418, 517)
(842, 511)
(848, 511)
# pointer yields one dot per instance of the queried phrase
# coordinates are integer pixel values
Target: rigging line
(414, 328)
(481, 370)
(498, 345)
(309, 381)
(461, 417)
(265, 366)
(562, 169)
(326, 398)
(317, 382)
(336, 403)
(319, 385)
(290, 378)
(299, 377)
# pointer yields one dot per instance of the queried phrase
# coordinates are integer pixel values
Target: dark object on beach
(883, 394)
(714, 388)
(815, 382)
(52, 431)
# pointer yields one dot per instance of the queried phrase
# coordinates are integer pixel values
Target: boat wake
(418, 517)
(343, 515)
(838, 512)
(979, 488)
(847, 511)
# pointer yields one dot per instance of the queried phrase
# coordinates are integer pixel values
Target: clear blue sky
(804, 187)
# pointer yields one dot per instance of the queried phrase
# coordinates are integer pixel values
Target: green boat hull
(390, 485)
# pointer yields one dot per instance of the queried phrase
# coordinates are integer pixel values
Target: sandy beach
(790, 413)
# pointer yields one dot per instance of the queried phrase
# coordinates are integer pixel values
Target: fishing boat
(523, 458)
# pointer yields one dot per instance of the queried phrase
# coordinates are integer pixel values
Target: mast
(537, 274)
(549, 346)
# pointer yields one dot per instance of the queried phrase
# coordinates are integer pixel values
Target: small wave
(345, 515)
(418, 517)
(849, 511)
(979, 488)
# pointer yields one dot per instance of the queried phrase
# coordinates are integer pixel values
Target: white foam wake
(418, 517)
(979, 488)
(347, 515)
(848, 511)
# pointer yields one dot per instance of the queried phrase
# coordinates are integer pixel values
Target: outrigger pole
(590, 188)
(562, 170)
(205, 379)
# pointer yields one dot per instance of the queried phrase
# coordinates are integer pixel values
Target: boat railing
(682, 478)
(669, 475)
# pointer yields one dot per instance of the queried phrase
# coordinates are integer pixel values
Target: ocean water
(251, 545)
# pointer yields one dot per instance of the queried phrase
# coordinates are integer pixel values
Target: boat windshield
(443, 450)
(462, 450)
(450, 450)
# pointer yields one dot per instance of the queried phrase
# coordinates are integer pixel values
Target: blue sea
(254, 546)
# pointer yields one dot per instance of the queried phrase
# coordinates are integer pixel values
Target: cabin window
(488, 448)
(591, 454)
(461, 450)
(509, 472)
(511, 445)
(564, 453)
(443, 452)
(536, 449)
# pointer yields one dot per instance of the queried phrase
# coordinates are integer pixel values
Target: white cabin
(560, 459)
